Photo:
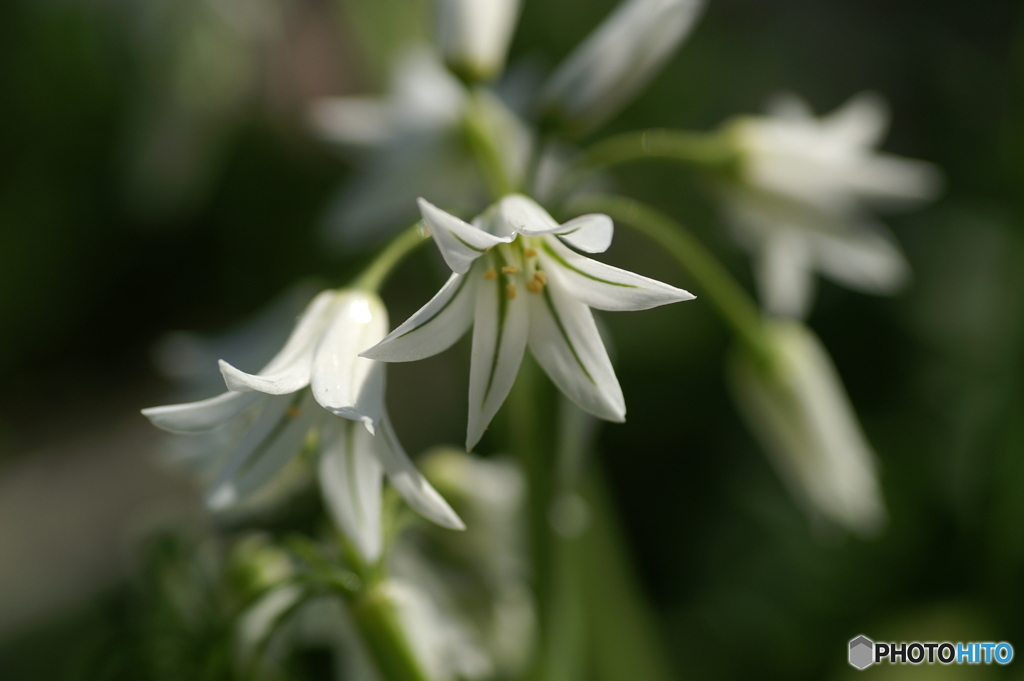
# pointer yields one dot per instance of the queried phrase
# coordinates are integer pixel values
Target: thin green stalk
(373, 277)
(707, 150)
(728, 298)
(480, 137)
(530, 438)
(625, 642)
(376, 617)
(363, 586)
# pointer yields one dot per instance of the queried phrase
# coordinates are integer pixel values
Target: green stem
(376, 617)
(728, 298)
(363, 587)
(706, 150)
(481, 140)
(373, 277)
(530, 438)
(625, 642)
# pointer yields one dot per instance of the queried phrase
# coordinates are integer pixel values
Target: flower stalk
(702, 149)
(377, 618)
(377, 272)
(485, 148)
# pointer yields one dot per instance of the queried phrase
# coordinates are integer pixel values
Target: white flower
(799, 410)
(474, 35)
(322, 354)
(415, 139)
(617, 60)
(803, 196)
(517, 284)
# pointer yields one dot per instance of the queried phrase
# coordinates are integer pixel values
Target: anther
(490, 274)
(292, 412)
(511, 288)
(540, 276)
(534, 286)
(530, 252)
(509, 269)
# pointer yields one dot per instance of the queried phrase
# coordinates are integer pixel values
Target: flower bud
(617, 60)
(799, 410)
(474, 35)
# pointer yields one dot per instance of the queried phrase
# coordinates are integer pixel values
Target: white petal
(358, 121)
(862, 121)
(591, 233)
(351, 478)
(565, 341)
(275, 436)
(789, 107)
(199, 417)
(425, 95)
(618, 59)
(866, 260)
(602, 286)
(460, 243)
(889, 181)
(524, 216)
(500, 330)
(289, 370)
(343, 382)
(784, 274)
(434, 327)
(405, 478)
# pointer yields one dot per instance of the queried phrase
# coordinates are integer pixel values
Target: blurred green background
(156, 174)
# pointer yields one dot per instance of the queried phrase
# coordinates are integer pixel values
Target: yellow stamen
(540, 276)
(511, 288)
(509, 269)
(490, 274)
(534, 286)
(292, 412)
(530, 252)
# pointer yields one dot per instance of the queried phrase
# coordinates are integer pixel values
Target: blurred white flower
(321, 354)
(802, 199)
(484, 576)
(474, 35)
(800, 412)
(608, 69)
(417, 145)
(517, 284)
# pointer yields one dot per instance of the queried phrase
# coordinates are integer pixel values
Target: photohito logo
(864, 652)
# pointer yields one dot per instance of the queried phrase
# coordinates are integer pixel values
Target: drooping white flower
(416, 144)
(518, 284)
(803, 198)
(800, 412)
(344, 405)
(607, 70)
(474, 35)
(491, 495)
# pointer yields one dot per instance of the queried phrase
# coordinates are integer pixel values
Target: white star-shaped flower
(344, 404)
(414, 142)
(518, 284)
(804, 196)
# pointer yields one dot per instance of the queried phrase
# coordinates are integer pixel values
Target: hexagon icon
(862, 652)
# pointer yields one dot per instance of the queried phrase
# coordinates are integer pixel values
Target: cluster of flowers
(799, 195)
